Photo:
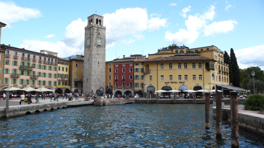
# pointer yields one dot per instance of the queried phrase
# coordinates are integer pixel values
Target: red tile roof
(178, 58)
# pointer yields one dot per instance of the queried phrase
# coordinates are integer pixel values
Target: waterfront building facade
(2, 61)
(139, 75)
(76, 73)
(94, 53)
(109, 77)
(182, 68)
(63, 76)
(23, 68)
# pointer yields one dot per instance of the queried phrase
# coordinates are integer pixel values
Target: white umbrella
(160, 91)
(28, 89)
(189, 91)
(42, 89)
(174, 91)
(203, 91)
(12, 89)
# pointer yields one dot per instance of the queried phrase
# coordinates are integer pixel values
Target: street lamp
(253, 74)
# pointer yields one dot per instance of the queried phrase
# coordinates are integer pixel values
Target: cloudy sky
(138, 27)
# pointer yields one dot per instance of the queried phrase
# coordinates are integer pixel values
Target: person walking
(29, 99)
(22, 98)
(36, 97)
(43, 96)
(4, 96)
(57, 98)
(118, 97)
(77, 96)
(10, 96)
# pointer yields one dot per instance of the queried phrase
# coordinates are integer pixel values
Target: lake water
(132, 125)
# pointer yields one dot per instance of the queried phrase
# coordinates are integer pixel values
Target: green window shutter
(20, 71)
(29, 82)
(4, 81)
(25, 82)
(42, 66)
(12, 70)
(7, 71)
(25, 73)
(20, 62)
(5, 62)
(25, 63)
(7, 80)
(30, 73)
(20, 81)
(13, 63)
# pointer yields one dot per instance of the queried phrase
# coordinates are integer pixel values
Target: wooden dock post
(234, 119)
(207, 110)
(218, 115)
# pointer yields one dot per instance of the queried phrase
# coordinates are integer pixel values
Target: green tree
(245, 75)
(259, 86)
(226, 58)
(234, 73)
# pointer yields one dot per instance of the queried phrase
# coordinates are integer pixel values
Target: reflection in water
(136, 125)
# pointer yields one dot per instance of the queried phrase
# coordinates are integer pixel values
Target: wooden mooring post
(157, 101)
(207, 110)
(218, 115)
(234, 119)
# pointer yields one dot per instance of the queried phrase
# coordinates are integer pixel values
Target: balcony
(34, 60)
(146, 71)
(28, 68)
(7, 56)
(23, 58)
(51, 63)
(15, 75)
(34, 77)
(28, 59)
(44, 62)
(62, 78)
(15, 57)
(39, 61)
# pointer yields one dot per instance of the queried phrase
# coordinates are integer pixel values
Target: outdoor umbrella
(160, 91)
(42, 89)
(173, 91)
(203, 91)
(11, 89)
(28, 89)
(189, 91)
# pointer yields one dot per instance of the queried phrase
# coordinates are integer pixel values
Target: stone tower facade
(94, 55)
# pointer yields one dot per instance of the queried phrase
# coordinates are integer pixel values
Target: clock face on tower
(99, 42)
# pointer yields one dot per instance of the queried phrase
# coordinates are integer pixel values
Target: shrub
(254, 102)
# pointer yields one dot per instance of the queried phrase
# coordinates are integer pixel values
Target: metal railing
(7, 56)
(15, 75)
(15, 57)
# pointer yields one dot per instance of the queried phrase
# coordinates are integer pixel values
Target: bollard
(207, 110)
(234, 119)
(194, 97)
(174, 98)
(218, 115)
(7, 103)
(157, 101)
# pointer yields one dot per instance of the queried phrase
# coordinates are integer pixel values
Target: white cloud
(194, 24)
(110, 45)
(49, 36)
(185, 10)
(173, 4)
(139, 36)
(219, 27)
(127, 41)
(228, 6)
(59, 47)
(251, 56)
(129, 21)
(10, 13)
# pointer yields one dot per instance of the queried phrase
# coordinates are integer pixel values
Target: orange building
(76, 73)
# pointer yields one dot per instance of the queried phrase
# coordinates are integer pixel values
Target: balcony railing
(15, 75)
(7, 56)
(44, 62)
(146, 71)
(28, 59)
(39, 61)
(22, 58)
(34, 77)
(22, 67)
(15, 57)
(51, 63)
(34, 60)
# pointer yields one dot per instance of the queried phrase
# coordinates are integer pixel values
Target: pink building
(23, 68)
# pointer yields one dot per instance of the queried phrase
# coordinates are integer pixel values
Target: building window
(27, 82)
(179, 65)
(116, 65)
(142, 77)
(142, 70)
(161, 66)
(123, 64)
(13, 81)
(130, 77)
(49, 83)
(76, 70)
(136, 70)
(130, 84)
(213, 77)
(7, 62)
(193, 65)
(136, 77)
(123, 84)
(200, 78)
(55, 83)
(170, 78)
(185, 77)
(50, 75)
(76, 64)
(50, 68)
(55, 69)
(130, 70)
(110, 69)
(201, 49)
(123, 78)
(59, 83)
(62, 68)
(33, 82)
(116, 70)
(170, 66)
(194, 77)
(179, 77)
(110, 64)
(150, 78)
(131, 64)
(15, 63)
(44, 74)
(109, 77)
(185, 66)
(82, 65)
(141, 85)
(116, 84)
(200, 65)
(136, 64)
(123, 70)
(116, 78)
(55, 76)
(136, 85)
(33, 65)
(6, 70)
(161, 77)
(109, 84)
(39, 66)
(45, 67)
(39, 82)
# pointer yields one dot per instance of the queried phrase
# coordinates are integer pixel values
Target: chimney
(9, 45)
(124, 56)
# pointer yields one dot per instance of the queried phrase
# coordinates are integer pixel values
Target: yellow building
(139, 76)
(63, 76)
(76, 73)
(2, 59)
(182, 68)
(109, 77)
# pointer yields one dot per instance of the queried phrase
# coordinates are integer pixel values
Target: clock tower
(94, 55)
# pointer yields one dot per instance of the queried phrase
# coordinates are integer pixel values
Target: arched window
(176, 51)
(123, 84)
(99, 21)
(96, 21)
(201, 49)
(213, 77)
(181, 52)
(196, 51)
(161, 66)
(207, 48)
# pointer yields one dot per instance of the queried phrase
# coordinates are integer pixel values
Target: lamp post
(253, 74)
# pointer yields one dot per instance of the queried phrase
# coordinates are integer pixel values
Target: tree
(259, 86)
(234, 73)
(226, 58)
(245, 75)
